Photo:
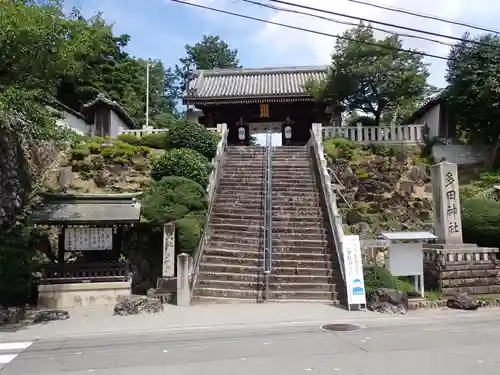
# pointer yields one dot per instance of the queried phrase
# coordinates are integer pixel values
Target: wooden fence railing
(86, 272)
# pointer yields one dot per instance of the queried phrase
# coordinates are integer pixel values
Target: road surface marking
(10, 350)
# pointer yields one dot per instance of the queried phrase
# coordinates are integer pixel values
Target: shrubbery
(481, 221)
(339, 148)
(183, 163)
(193, 136)
(179, 200)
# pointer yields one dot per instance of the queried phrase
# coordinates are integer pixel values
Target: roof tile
(241, 83)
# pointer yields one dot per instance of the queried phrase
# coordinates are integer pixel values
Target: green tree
(210, 53)
(107, 68)
(372, 76)
(35, 53)
(473, 91)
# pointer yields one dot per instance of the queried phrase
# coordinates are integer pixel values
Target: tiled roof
(252, 85)
(88, 209)
(427, 105)
(129, 121)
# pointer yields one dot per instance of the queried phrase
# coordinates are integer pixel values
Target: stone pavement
(101, 321)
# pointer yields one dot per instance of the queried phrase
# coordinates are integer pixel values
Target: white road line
(6, 358)
(15, 345)
(13, 349)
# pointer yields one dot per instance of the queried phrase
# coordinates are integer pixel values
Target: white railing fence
(139, 133)
(383, 134)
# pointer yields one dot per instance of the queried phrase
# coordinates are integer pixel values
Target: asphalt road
(382, 348)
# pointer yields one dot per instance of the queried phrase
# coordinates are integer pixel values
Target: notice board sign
(353, 263)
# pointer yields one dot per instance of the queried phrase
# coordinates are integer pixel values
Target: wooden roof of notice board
(87, 209)
(242, 85)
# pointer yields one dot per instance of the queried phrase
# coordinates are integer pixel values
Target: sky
(160, 29)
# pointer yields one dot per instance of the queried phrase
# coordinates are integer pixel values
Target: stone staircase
(303, 266)
(230, 267)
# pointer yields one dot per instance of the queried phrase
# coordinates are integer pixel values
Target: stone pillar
(183, 287)
(445, 195)
(221, 127)
(168, 269)
(317, 129)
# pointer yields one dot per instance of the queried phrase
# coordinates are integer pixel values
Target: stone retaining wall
(474, 271)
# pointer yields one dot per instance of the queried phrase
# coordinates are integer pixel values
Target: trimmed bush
(172, 198)
(193, 136)
(131, 139)
(183, 163)
(156, 140)
(187, 234)
(377, 277)
(481, 221)
(339, 148)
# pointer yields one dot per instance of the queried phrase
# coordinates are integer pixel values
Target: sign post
(353, 267)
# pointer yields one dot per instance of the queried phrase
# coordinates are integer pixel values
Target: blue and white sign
(353, 262)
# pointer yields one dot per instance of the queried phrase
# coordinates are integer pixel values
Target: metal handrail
(334, 175)
(268, 216)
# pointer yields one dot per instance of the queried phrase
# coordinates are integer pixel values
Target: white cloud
(289, 43)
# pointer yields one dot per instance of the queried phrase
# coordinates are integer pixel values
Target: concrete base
(60, 296)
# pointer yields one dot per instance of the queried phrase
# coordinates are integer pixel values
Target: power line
(382, 23)
(281, 9)
(427, 16)
(424, 54)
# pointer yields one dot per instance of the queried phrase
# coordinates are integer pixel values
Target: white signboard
(355, 282)
(77, 239)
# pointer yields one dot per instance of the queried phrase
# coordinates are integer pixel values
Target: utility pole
(147, 96)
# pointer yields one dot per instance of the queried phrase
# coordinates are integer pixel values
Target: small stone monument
(64, 178)
(446, 200)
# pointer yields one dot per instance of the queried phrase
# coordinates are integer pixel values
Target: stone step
(242, 166)
(309, 188)
(232, 247)
(291, 296)
(278, 230)
(227, 293)
(217, 210)
(229, 216)
(282, 220)
(237, 261)
(296, 193)
(299, 242)
(283, 229)
(239, 200)
(236, 228)
(274, 287)
(303, 295)
(255, 270)
(294, 236)
(238, 195)
(236, 238)
(288, 163)
(220, 221)
(305, 255)
(240, 205)
(237, 277)
(294, 201)
(285, 176)
(242, 181)
(298, 212)
(290, 182)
